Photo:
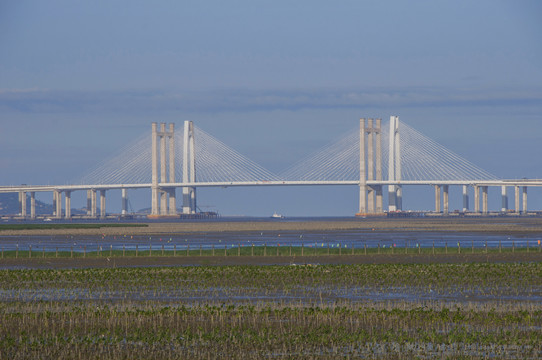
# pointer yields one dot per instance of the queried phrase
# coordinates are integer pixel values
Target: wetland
(473, 301)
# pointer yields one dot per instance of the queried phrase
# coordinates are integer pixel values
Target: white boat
(277, 216)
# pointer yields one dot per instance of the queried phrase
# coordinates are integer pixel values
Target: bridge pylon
(370, 167)
(160, 196)
(189, 168)
(395, 192)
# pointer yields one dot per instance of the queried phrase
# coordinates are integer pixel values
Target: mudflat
(528, 225)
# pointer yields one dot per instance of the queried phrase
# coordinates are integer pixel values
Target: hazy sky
(275, 80)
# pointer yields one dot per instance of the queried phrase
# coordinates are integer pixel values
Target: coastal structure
(376, 159)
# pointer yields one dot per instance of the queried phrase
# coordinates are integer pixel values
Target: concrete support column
(124, 202)
(163, 169)
(371, 208)
(58, 204)
(32, 205)
(172, 202)
(362, 172)
(485, 209)
(172, 199)
(504, 195)
(189, 169)
(154, 157)
(370, 167)
(476, 199)
(398, 165)
(465, 198)
(525, 200)
(437, 199)
(516, 199)
(93, 203)
(446, 199)
(379, 199)
(394, 166)
(89, 202)
(102, 204)
(193, 202)
(392, 198)
(399, 195)
(22, 202)
(68, 212)
(378, 138)
(163, 202)
(54, 203)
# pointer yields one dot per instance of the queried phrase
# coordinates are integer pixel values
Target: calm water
(320, 239)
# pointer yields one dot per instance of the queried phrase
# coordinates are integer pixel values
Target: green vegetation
(237, 249)
(333, 311)
(64, 226)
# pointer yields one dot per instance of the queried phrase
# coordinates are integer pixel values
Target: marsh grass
(143, 330)
(273, 311)
(236, 249)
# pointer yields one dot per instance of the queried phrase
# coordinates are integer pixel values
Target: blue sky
(276, 80)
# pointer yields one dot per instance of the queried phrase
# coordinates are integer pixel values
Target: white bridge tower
(395, 192)
(189, 169)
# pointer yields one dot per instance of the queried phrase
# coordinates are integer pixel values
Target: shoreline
(465, 225)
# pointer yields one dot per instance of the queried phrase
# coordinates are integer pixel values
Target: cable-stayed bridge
(379, 158)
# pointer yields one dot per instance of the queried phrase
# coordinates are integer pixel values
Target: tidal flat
(424, 310)
(501, 224)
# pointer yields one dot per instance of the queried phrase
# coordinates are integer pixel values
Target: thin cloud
(235, 100)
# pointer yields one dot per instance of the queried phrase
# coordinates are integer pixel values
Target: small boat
(277, 216)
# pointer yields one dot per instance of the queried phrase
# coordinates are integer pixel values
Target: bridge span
(367, 155)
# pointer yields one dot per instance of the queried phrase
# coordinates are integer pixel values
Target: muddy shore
(478, 224)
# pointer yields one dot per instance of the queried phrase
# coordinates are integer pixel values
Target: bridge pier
(378, 188)
(504, 199)
(102, 204)
(93, 201)
(370, 166)
(154, 156)
(379, 200)
(54, 203)
(68, 212)
(124, 202)
(445, 190)
(476, 199)
(22, 203)
(159, 201)
(362, 173)
(525, 210)
(57, 204)
(163, 202)
(485, 209)
(189, 169)
(395, 192)
(171, 191)
(516, 199)
(32, 205)
(163, 179)
(437, 199)
(89, 202)
(465, 198)
(172, 201)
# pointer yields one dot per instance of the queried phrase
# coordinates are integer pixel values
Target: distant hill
(9, 205)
